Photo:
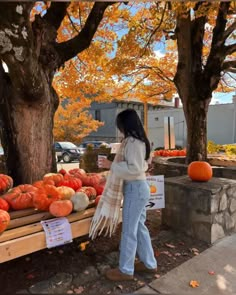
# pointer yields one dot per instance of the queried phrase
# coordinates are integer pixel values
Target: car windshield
(68, 145)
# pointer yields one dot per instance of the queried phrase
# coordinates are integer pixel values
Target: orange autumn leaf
(194, 284)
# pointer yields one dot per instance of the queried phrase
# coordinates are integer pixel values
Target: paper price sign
(157, 192)
(57, 231)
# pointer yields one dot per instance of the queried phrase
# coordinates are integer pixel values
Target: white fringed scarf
(107, 213)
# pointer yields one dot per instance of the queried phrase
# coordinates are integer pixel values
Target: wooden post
(145, 109)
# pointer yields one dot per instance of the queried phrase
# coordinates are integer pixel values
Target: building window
(98, 115)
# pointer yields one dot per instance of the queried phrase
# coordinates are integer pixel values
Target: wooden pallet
(25, 233)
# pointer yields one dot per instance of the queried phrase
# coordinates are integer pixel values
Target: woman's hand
(104, 163)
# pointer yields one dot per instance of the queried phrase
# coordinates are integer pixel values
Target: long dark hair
(129, 123)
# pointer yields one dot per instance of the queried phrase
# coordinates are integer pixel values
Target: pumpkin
(97, 199)
(56, 177)
(71, 181)
(89, 191)
(99, 188)
(65, 192)
(4, 205)
(91, 179)
(61, 208)
(45, 196)
(80, 201)
(38, 183)
(4, 220)
(77, 172)
(200, 171)
(62, 171)
(21, 196)
(6, 183)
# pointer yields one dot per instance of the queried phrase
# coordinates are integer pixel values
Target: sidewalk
(220, 259)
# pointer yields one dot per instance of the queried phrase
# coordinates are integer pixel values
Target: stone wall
(163, 166)
(203, 210)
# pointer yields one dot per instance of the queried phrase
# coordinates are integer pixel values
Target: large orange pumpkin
(71, 181)
(61, 208)
(45, 196)
(4, 220)
(91, 179)
(56, 177)
(21, 196)
(6, 183)
(200, 171)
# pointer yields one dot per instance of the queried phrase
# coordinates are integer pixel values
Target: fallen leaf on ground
(157, 276)
(157, 253)
(177, 254)
(79, 290)
(166, 253)
(211, 272)
(170, 246)
(181, 243)
(194, 250)
(119, 287)
(69, 292)
(140, 283)
(83, 246)
(194, 284)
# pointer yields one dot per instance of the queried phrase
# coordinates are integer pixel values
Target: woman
(131, 170)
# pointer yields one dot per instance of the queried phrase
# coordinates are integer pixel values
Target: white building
(221, 124)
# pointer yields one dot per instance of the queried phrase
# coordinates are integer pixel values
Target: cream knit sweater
(134, 165)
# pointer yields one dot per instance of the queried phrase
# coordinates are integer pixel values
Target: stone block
(232, 206)
(217, 232)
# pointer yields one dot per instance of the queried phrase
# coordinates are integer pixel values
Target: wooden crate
(25, 233)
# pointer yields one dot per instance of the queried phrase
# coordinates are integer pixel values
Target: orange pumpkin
(4, 204)
(6, 183)
(4, 220)
(200, 171)
(89, 191)
(61, 208)
(91, 179)
(21, 196)
(65, 192)
(56, 177)
(71, 181)
(45, 196)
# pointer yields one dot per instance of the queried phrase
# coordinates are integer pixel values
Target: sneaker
(117, 275)
(140, 267)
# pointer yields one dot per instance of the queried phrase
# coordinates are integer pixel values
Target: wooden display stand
(25, 234)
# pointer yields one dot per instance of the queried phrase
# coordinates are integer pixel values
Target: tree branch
(72, 47)
(229, 31)
(230, 49)
(56, 13)
(229, 65)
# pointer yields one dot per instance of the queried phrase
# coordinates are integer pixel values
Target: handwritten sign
(57, 231)
(157, 192)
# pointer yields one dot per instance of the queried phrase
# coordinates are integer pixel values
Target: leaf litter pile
(86, 262)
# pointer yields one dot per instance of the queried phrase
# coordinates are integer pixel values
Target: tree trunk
(196, 120)
(27, 135)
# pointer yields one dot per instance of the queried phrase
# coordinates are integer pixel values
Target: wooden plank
(36, 227)
(29, 216)
(25, 245)
(22, 213)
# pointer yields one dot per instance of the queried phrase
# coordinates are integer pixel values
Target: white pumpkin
(80, 201)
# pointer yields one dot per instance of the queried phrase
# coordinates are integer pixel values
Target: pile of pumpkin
(59, 193)
(169, 153)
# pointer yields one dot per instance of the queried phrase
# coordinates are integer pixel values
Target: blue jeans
(135, 236)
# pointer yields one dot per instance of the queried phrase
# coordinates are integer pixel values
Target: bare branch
(229, 66)
(56, 13)
(230, 49)
(72, 47)
(229, 31)
(72, 23)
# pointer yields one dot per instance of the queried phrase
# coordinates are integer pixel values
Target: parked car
(66, 151)
(95, 143)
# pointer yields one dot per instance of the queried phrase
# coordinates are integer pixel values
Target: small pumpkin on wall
(200, 171)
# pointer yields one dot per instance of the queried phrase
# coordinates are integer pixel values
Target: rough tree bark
(195, 81)
(27, 100)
